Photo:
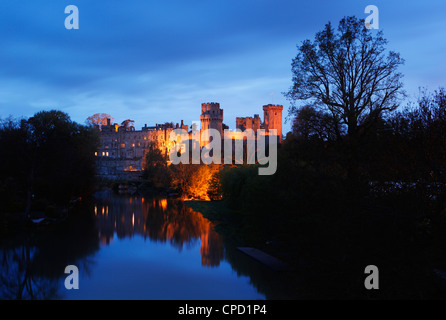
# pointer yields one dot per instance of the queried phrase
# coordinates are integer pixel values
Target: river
(130, 247)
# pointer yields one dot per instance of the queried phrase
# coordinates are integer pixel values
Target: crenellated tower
(211, 118)
(272, 117)
(244, 123)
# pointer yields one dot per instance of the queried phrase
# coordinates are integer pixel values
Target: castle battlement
(244, 123)
(209, 106)
(211, 111)
(273, 107)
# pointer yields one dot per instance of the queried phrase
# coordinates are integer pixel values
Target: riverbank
(242, 230)
(40, 217)
(233, 225)
(238, 231)
(330, 252)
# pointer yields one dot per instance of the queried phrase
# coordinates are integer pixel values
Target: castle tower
(244, 123)
(256, 123)
(273, 118)
(211, 118)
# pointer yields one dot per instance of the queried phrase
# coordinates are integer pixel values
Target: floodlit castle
(123, 149)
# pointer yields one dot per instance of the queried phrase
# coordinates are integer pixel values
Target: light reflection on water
(125, 248)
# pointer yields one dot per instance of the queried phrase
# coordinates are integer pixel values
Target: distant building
(123, 149)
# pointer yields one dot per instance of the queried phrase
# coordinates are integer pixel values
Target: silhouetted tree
(348, 75)
(310, 122)
(51, 157)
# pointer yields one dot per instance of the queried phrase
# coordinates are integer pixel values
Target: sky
(156, 61)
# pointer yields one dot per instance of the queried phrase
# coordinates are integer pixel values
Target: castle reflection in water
(161, 220)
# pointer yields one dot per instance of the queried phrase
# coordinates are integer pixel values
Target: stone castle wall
(123, 150)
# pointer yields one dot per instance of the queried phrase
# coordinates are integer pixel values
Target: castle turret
(211, 118)
(244, 123)
(273, 118)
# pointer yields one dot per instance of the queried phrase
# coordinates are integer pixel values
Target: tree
(128, 125)
(48, 157)
(347, 75)
(99, 119)
(155, 167)
(419, 132)
(214, 190)
(310, 122)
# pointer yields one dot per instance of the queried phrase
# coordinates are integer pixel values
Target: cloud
(157, 61)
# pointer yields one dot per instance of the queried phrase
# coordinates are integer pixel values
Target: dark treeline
(360, 181)
(45, 162)
(392, 213)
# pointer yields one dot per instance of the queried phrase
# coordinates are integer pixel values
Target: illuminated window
(103, 153)
(95, 154)
(106, 154)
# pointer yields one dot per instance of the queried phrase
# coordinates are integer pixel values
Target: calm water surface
(129, 247)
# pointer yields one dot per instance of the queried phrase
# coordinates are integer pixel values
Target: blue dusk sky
(155, 61)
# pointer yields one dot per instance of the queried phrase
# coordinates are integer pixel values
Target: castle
(122, 149)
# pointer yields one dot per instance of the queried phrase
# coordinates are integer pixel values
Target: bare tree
(99, 119)
(348, 75)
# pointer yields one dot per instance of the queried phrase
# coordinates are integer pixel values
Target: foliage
(310, 123)
(128, 124)
(214, 191)
(99, 119)
(394, 216)
(155, 167)
(46, 158)
(191, 180)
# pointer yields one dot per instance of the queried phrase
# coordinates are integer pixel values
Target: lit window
(95, 154)
(103, 153)
(106, 154)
